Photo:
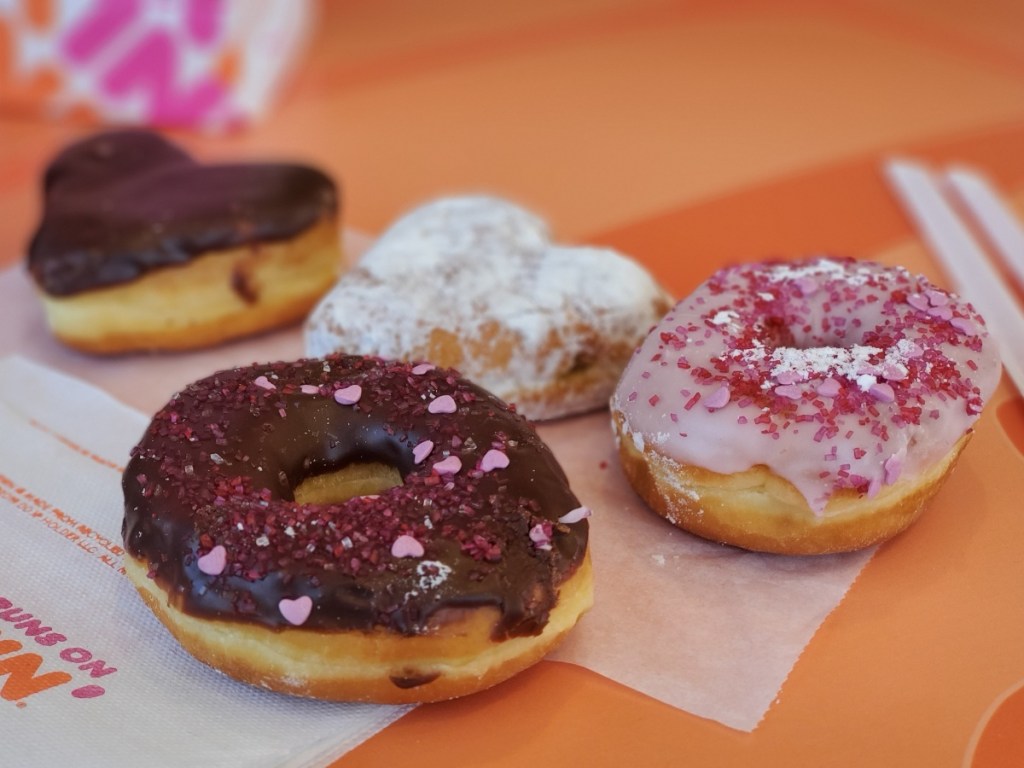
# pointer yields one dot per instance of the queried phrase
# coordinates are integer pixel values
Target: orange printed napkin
(87, 675)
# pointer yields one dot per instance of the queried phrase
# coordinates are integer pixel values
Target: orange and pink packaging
(197, 64)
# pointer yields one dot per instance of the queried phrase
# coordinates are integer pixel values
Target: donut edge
(375, 666)
(762, 512)
(205, 301)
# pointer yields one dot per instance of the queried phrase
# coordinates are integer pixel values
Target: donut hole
(780, 333)
(363, 478)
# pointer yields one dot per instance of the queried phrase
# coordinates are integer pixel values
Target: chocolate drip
(119, 204)
(218, 463)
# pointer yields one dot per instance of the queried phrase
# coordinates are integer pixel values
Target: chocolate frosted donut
(458, 557)
(140, 246)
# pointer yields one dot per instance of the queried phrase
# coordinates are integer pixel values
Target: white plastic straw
(963, 258)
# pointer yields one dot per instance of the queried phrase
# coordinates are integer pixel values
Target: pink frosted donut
(803, 407)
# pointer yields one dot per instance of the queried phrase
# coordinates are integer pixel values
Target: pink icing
(840, 374)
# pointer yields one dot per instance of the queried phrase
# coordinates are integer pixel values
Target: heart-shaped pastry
(140, 246)
(476, 284)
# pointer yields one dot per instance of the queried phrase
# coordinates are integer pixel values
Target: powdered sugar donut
(803, 407)
(474, 283)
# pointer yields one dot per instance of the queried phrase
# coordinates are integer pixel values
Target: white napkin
(87, 675)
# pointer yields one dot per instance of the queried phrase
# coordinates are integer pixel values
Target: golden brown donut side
(213, 298)
(457, 657)
(760, 511)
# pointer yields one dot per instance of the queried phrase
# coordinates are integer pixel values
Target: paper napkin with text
(87, 675)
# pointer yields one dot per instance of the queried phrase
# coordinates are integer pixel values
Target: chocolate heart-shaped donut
(476, 284)
(125, 206)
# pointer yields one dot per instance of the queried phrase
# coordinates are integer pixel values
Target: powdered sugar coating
(838, 374)
(480, 275)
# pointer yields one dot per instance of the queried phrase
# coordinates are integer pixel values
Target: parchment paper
(705, 628)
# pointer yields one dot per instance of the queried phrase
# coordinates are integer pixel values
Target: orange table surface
(689, 135)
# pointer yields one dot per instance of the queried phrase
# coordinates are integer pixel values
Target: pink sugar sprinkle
(719, 398)
(790, 391)
(214, 561)
(422, 450)
(575, 515)
(653, 399)
(264, 382)
(882, 392)
(493, 459)
(309, 389)
(407, 546)
(419, 370)
(348, 395)
(442, 404)
(829, 388)
(448, 466)
(964, 325)
(692, 401)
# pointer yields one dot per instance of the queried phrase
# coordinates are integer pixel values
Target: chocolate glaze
(119, 204)
(218, 463)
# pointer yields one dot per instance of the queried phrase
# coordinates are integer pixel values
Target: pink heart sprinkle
(214, 561)
(493, 459)
(442, 404)
(937, 298)
(791, 391)
(448, 466)
(575, 515)
(719, 398)
(894, 372)
(893, 466)
(806, 285)
(964, 325)
(406, 546)
(422, 450)
(874, 486)
(349, 395)
(918, 301)
(309, 389)
(296, 611)
(911, 350)
(540, 537)
(882, 392)
(422, 368)
(263, 381)
(829, 388)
